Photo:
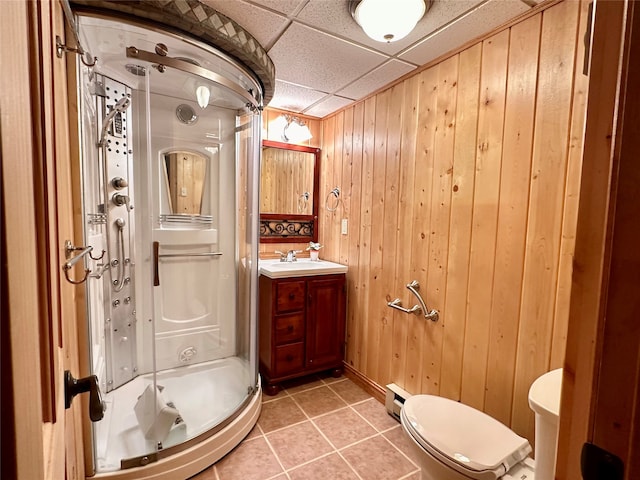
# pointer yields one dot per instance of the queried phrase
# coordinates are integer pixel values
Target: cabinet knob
(292, 296)
(290, 329)
(288, 358)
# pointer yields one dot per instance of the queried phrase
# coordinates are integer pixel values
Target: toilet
(457, 442)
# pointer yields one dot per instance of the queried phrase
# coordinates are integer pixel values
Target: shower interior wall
(189, 309)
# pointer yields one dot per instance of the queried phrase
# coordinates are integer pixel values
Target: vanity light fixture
(295, 130)
(202, 95)
(386, 21)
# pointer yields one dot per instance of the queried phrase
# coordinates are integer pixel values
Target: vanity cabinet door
(325, 321)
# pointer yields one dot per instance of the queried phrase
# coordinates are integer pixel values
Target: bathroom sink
(303, 267)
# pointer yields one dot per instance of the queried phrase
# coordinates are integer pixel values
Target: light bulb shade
(386, 21)
(202, 95)
(296, 131)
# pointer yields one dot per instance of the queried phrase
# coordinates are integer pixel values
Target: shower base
(204, 394)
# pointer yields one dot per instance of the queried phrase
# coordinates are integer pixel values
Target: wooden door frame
(39, 338)
(20, 287)
(600, 389)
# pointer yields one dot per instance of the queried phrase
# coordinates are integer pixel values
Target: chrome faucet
(290, 256)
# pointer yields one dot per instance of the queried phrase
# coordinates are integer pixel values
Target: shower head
(120, 106)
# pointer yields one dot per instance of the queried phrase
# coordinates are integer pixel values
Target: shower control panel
(118, 192)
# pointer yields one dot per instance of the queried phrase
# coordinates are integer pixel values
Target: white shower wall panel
(188, 318)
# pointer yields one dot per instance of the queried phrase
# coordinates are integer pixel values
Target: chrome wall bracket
(61, 48)
(69, 248)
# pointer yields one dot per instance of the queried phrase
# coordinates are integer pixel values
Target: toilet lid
(463, 437)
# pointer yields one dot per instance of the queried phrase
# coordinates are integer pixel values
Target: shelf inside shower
(186, 221)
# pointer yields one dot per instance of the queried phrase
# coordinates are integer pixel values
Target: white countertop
(302, 267)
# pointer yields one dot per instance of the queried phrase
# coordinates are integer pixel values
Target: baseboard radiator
(394, 399)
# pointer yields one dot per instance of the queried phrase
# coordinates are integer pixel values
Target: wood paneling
(588, 303)
(464, 177)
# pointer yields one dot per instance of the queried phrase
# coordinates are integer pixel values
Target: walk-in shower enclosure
(169, 134)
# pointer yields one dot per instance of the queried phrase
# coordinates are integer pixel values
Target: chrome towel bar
(205, 254)
(157, 256)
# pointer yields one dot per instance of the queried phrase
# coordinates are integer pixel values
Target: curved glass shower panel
(171, 171)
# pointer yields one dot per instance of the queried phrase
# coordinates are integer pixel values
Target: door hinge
(598, 464)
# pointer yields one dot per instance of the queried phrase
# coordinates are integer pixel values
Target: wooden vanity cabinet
(302, 327)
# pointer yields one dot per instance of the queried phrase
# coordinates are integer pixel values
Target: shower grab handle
(428, 314)
(396, 304)
(156, 271)
(157, 256)
(413, 287)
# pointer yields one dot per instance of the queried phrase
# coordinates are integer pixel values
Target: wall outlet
(344, 227)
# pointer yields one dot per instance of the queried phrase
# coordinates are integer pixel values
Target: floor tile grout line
(366, 419)
(335, 450)
(276, 456)
(398, 449)
(396, 446)
(324, 455)
(379, 432)
(353, 469)
(308, 419)
(409, 475)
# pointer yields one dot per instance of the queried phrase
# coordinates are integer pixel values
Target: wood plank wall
(465, 178)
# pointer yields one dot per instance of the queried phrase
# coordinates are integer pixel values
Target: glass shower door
(199, 339)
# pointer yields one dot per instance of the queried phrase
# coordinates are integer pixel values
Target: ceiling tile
(294, 98)
(299, 60)
(376, 79)
(333, 16)
(283, 6)
(265, 26)
(479, 21)
(328, 106)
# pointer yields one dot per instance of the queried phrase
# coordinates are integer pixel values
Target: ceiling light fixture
(295, 130)
(386, 21)
(202, 95)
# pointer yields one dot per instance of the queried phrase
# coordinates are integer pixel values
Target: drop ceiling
(323, 59)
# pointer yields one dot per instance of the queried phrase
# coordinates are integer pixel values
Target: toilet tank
(544, 400)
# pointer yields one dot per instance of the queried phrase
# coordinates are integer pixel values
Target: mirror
(289, 183)
(185, 173)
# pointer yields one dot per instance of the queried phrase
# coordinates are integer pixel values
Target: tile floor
(320, 428)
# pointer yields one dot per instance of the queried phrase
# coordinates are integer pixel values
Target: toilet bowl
(457, 442)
